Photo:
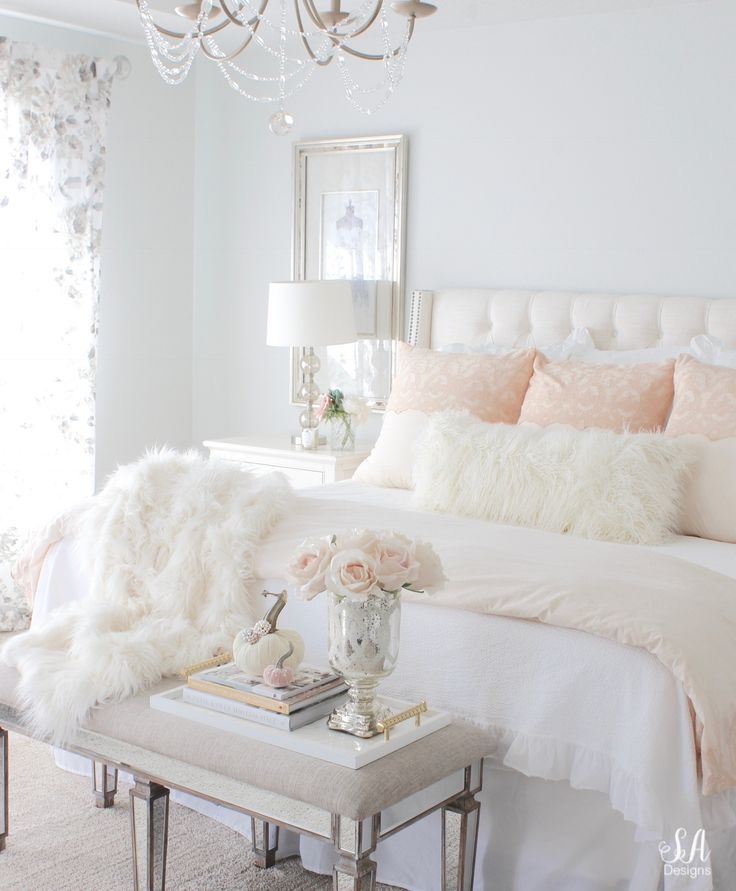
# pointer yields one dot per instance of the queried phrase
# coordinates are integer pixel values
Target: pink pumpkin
(279, 675)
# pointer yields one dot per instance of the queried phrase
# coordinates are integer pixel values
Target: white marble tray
(315, 739)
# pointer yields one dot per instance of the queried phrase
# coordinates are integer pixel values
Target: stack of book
(312, 695)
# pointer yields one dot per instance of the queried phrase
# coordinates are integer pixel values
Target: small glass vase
(363, 646)
(342, 435)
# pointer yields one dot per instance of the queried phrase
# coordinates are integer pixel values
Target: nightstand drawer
(299, 479)
(303, 468)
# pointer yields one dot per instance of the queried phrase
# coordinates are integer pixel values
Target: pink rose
(352, 574)
(431, 574)
(357, 540)
(396, 565)
(307, 568)
(323, 405)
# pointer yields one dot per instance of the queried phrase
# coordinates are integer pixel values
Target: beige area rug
(59, 841)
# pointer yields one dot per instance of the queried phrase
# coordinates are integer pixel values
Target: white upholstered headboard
(539, 318)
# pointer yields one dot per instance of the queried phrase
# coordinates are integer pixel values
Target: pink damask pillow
(490, 387)
(614, 397)
(705, 400)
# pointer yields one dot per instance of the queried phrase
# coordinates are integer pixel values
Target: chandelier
(290, 47)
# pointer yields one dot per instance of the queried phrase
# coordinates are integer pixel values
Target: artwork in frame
(349, 197)
(348, 246)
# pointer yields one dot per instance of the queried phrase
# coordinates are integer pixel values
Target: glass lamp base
(296, 440)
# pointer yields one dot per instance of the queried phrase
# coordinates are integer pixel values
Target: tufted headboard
(539, 318)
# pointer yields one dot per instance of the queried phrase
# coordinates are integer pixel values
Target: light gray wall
(578, 152)
(144, 376)
(585, 152)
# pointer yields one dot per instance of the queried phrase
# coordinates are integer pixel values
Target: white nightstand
(264, 453)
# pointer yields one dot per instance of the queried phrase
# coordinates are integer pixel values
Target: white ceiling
(120, 17)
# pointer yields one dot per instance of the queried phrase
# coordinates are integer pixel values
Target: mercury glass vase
(342, 435)
(363, 646)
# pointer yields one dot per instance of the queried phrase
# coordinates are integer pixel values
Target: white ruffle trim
(585, 769)
(719, 811)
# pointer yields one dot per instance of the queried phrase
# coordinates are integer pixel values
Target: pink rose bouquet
(362, 563)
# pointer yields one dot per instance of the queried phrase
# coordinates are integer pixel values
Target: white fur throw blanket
(170, 545)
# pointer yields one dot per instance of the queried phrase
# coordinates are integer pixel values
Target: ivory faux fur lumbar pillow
(592, 483)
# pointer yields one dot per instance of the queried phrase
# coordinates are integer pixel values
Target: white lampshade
(304, 314)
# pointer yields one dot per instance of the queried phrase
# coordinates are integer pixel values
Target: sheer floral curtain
(53, 121)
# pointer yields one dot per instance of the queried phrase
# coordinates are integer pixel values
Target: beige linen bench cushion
(356, 794)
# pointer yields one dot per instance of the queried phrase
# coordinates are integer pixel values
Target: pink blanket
(683, 614)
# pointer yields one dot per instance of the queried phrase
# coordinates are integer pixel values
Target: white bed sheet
(716, 555)
(541, 688)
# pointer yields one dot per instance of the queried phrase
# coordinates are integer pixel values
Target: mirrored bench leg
(355, 841)
(149, 824)
(4, 793)
(265, 842)
(104, 784)
(459, 842)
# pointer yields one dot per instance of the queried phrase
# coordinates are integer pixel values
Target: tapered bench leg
(264, 852)
(104, 784)
(4, 793)
(458, 870)
(149, 818)
(355, 841)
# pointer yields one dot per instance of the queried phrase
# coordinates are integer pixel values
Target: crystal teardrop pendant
(280, 123)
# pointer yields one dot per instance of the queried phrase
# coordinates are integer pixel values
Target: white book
(314, 739)
(260, 715)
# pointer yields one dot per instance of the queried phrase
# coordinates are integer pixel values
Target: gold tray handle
(416, 712)
(214, 662)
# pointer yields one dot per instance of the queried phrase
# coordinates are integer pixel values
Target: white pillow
(591, 483)
(712, 351)
(579, 344)
(391, 461)
(703, 347)
(586, 350)
(577, 339)
(709, 503)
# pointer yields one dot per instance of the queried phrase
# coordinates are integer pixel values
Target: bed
(594, 763)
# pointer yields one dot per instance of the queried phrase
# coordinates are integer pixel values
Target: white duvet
(563, 705)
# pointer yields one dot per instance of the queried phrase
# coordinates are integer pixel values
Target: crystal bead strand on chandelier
(281, 122)
(328, 37)
(394, 64)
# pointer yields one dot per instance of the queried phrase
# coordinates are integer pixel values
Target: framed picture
(349, 197)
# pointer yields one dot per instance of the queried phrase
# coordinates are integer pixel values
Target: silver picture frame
(348, 222)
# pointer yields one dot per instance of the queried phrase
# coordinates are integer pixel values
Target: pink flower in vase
(323, 405)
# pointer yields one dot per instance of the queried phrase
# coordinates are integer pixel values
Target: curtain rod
(68, 26)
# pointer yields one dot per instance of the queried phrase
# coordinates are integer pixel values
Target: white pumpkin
(253, 658)
(254, 649)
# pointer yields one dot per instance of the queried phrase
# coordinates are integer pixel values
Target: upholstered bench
(352, 809)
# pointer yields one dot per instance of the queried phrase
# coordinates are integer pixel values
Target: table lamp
(309, 314)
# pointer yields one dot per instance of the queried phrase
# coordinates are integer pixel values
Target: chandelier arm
(314, 16)
(337, 39)
(378, 57)
(366, 25)
(177, 35)
(253, 23)
(229, 56)
(310, 52)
